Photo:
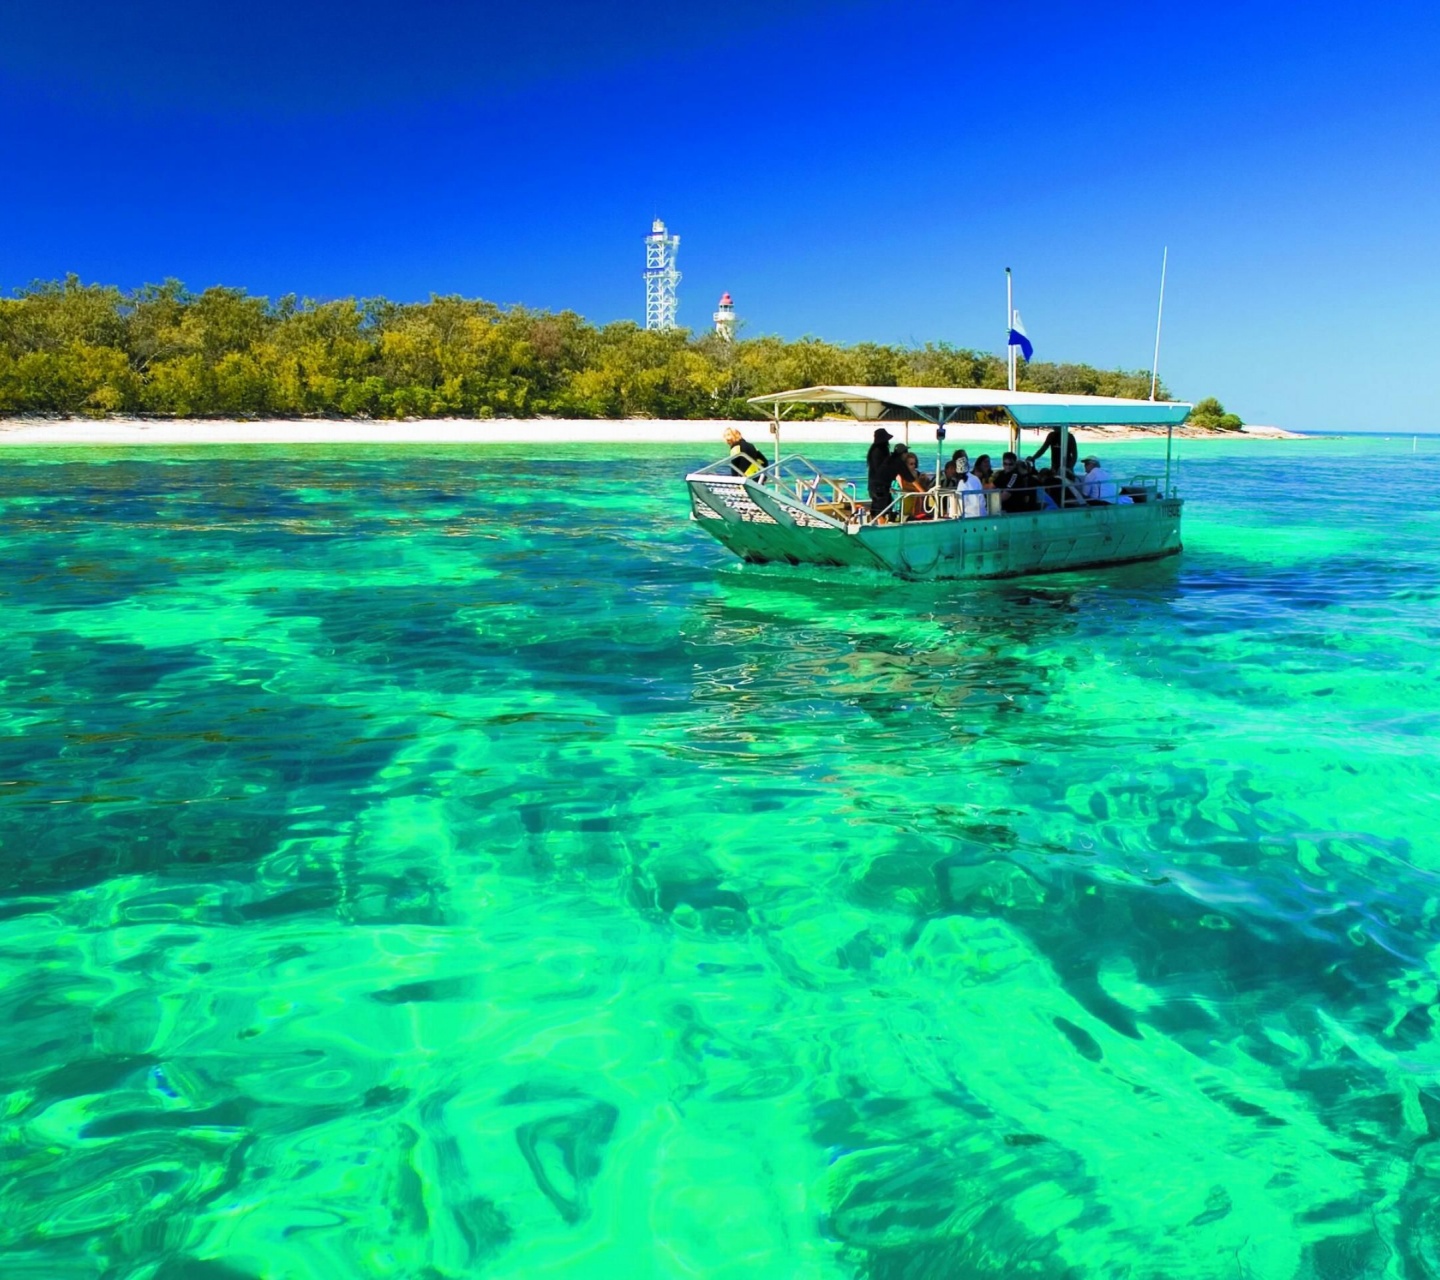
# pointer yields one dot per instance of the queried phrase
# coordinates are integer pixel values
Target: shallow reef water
(446, 862)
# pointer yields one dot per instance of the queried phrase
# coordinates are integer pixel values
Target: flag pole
(1159, 316)
(1010, 328)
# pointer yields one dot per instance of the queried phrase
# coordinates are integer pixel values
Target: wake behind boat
(790, 512)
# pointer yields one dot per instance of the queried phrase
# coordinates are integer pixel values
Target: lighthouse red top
(725, 300)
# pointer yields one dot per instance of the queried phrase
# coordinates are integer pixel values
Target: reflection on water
(444, 865)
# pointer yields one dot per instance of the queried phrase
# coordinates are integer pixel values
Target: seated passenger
(926, 480)
(973, 501)
(1098, 489)
(1016, 484)
(950, 476)
(912, 488)
(986, 472)
(1048, 490)
(900, 462)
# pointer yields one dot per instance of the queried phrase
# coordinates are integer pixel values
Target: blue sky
(857, 171)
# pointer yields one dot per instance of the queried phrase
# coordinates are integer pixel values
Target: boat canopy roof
(971, 404)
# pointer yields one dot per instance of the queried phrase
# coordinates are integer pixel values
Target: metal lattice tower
(661, 278)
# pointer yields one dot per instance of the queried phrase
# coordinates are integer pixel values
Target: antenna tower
(661, 278)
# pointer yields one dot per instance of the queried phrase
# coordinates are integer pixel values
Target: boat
(790, 512)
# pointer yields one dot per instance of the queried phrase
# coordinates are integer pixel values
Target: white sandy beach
(20, 432)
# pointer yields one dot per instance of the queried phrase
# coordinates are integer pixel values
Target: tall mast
(1009, 328)
(1159, 316)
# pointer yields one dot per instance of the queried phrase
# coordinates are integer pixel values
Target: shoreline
(124, 432)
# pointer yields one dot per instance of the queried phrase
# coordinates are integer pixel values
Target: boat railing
(797, 479)
(940, 503)
(721, 468)
(798, 476)
(1152, 486)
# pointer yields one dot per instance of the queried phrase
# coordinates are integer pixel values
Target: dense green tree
(72, 348)
(153, 317)
(1210, 414)
(53, 314)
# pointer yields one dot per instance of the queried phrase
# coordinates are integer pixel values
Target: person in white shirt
(973, 499)
(1097, 486)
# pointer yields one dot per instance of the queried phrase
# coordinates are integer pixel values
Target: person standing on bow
(745, 458)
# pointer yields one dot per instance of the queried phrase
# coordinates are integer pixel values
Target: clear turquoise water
(444, 864)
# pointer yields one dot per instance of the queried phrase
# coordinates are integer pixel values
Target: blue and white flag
(1018, 338)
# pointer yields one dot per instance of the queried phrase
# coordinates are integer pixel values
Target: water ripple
(435, 864)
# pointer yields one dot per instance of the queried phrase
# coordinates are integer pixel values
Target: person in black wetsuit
(745, 458)
(1052, 443)
(880, 472)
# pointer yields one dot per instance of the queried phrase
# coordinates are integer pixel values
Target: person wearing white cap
(1097, 486)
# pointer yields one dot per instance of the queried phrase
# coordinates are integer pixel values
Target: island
(94, 363)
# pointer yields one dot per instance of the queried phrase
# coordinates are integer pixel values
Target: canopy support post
(1063, 458)
(1169, 438)
(775, 431)
(939, 447)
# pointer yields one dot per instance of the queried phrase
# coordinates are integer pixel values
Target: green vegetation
(1210, 414)
(70, 348)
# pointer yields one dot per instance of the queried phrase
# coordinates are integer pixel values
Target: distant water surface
(448, 863)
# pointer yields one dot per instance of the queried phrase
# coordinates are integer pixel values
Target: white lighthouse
(725, 318)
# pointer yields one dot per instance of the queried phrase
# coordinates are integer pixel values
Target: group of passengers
(1017, 487)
